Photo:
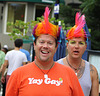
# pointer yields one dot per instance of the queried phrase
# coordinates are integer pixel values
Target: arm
(28, 62)
(1, 68)
(24, 63)
(95, 81)
(4, 66)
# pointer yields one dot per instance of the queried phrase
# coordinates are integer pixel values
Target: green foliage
(91, 10)
(87, 5)
(95, 40)
(52, 20)
(19, 29)
(67, 13)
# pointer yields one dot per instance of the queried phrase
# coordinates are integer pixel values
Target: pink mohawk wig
(77, 30)
(45, 27)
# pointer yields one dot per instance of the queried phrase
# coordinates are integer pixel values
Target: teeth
(76, 51)
(44, 52)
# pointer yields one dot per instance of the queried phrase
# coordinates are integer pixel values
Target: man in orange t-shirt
(29, 80)
(44, 77)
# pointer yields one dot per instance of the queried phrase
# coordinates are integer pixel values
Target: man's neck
(74, 61)
(44, 65)
(16, 48)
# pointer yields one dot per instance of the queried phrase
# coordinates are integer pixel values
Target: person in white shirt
(13, 59)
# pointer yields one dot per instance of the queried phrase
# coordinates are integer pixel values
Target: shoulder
(64, 68)
(22, 53)
(23, 50)
(60, 61)
(23, 69)
(86, 62)
(93, 68)
(1, 52)
(10, 52)
(93, 72)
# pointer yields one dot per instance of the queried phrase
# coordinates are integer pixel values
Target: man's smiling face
(45, 47)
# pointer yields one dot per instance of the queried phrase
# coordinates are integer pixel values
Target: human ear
(67, 45)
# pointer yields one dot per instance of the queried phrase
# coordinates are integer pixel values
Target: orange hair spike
(45, 27)
(77, 30)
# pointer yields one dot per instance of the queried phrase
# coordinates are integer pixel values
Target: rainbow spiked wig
(77, 30)
(45, 27)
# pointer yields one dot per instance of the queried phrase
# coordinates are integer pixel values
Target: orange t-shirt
(29, 80)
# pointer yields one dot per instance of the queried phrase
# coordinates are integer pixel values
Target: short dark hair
(18, 43)
(56, 40)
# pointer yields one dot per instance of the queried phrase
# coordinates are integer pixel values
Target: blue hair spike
(33, 37)
(87, 40)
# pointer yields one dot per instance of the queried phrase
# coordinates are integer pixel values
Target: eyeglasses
(80, 43)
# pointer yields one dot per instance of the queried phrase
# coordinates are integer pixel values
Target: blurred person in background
(13, 59)
(27, 54)
(5, 50)
(2, 58)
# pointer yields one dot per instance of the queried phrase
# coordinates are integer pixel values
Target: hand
(3, 79)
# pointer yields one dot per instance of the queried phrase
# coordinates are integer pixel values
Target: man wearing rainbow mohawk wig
(44, 77)
(76, 46)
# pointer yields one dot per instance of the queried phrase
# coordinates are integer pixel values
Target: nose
(45, 45)
(77, 45)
